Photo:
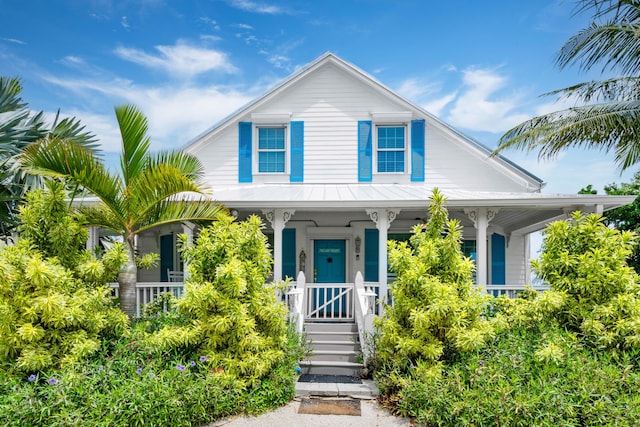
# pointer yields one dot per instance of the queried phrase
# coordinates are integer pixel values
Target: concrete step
(366, 390)
(339, 345)
(331, 367)
(335, 356)
(330, 327)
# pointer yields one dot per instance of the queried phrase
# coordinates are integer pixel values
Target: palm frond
(135, 141)
(616, 89)
(63, 159)
(187, 164)
(74, 132)
(10, 99)
(103, 217)
(613, 43)
(155, 185)
(181, 209)
(603, 127)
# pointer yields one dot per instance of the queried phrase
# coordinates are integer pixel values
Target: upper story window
(271, 150)
(391, 149)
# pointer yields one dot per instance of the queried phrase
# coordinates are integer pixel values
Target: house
(337, 163)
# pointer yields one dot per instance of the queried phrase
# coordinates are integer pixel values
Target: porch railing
(328, 301)
(511, 290)
(365, 307)
(146, 292)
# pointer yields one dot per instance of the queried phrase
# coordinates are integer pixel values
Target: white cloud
(243, 26)
(211, 22)
(251, 6)
(181, 59)
(10, 40)
(210, 38)
(175, 114)
(480, 107)
(125, 22)
(436, 106)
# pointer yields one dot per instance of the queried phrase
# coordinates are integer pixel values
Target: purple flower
(100, 368)
(152, 375)
(139, 371)
(180, 367)
(52, 381)
(32, 378)
(192, 363)
(203, 359)
(519, 357)
(482, 363)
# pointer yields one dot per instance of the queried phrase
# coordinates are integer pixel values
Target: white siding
(330, 102)
(516, 259)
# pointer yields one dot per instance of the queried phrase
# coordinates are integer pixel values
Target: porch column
(383, 219)
(187, 229)
(481, 218)
(278, 219)
(94, 238)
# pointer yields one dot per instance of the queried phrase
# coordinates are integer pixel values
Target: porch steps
(335, 349)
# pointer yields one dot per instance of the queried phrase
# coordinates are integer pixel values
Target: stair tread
(330, 363)
(315, 352)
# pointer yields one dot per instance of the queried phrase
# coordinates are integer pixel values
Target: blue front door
(329, 267)
(329, 261)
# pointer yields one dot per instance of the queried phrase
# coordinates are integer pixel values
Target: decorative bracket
(376, 215)
(277, 215)
(473, 214)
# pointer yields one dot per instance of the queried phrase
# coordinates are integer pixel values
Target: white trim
(271, 118)
(375, 149)
(392, 117)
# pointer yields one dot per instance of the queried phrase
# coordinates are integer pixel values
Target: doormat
(330, 407)
(316, 378)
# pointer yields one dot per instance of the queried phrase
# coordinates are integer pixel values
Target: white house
(337, 163)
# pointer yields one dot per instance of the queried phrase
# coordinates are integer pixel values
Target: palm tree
(19, 127)
(151, 189)
(607, 112)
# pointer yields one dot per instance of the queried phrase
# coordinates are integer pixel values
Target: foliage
(150, 189)
(125, 384)
(593, 291)
(20, 127)
(232, 316)
(437, 311)
(508, 384)
(606, 113)
(54, 305)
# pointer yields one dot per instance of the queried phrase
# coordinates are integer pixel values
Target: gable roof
(500, 162)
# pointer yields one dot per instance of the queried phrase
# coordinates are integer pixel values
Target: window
(271, 150)
(391, 148)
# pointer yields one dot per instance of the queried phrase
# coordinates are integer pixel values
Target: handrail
(296, 302)
(364, 308)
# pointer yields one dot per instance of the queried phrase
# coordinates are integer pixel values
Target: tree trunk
(127, 280)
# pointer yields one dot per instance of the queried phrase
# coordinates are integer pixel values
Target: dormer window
(271, 149)
(391, 149)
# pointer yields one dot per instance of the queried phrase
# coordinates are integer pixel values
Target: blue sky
(478, 65)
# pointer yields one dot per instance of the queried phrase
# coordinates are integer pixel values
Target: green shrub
(506, 383)
(437, 310)
(54, 305)
(229, 312)
(126, 384)
(593, 290)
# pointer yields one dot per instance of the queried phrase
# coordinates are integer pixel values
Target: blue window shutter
(417, 150)
(297, 152)
(245, 172)
(371, 254)
(364, 151)
(289, 253)
(498, 258)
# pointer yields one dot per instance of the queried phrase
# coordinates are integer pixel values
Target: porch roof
(410, 196)
(517, 212)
